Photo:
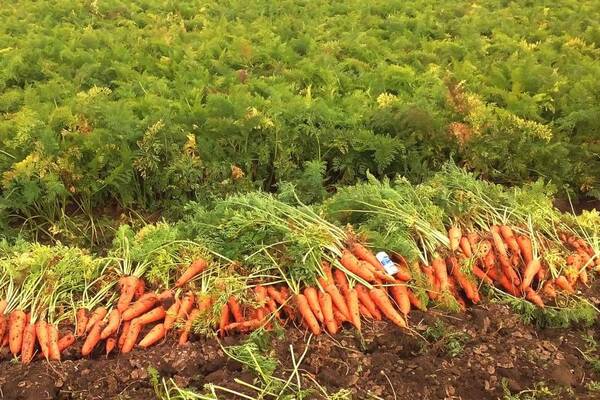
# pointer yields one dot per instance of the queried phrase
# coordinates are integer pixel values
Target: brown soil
(498, 354)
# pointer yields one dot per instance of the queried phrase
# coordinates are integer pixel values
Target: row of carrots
(498, 257)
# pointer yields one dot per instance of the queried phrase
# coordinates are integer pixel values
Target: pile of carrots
(356, 288)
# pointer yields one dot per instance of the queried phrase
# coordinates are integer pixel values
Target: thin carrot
(194, 269)
(526, 249)
(187, 304)
(465, 246)
(53, 348)
(235, 309)
(132, 334)
(364, 254)
(415, 301)
(341, 281)
(454, 235)
(433, 290)
(41, 332)
(354, 308)
(276, 295)
(172, 315)
(111, 343)
(481, 275)
(114, 320)
(307, 315)
(382, 301)
(327, 307)
(156, 334)
(66, 341)
(562, 283)
(468, 287)
(498, 242)
(16, 328)
(187, 328)
(364, 312)
(400, 296)
(97, 315)
(81, 320)
(28, 344)
(365, 299)
(355, 266)
(531, 270)
(440, 272)
(224, 319)
(124, 333)
(154, 315)
(532, 296)
(128, 285)
(92, 339)
(338, 300)
(313, 301)
(244, 326)
(142, 305)
(510, 239)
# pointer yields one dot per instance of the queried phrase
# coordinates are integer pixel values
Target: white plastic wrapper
(390, 267)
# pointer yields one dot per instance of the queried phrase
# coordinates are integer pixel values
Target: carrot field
(337, 200)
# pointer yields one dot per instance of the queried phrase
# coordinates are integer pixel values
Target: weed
(452, 342)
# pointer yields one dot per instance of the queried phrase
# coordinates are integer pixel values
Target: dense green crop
(151, 103)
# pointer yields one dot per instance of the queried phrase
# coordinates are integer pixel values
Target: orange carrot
(224, 320)
(3, 327)
(111, 343)
(53, 348)
(92, 339)
(140, 288)
(433, 290)
(415, 301)
(465, 246)
(400, 296)
(142, 305)
(81, 322)
(583, 276)
(562, 283)
(114, 320)
(354, 308)
(185, 332)
(194, 269)
(244, 326)
(16, 328)
(365, 299)
(510, 239)
(364, 254)
(549, 290)
(327, 308)
(276, 295)
(272, 307)
(508, 285)
(3, 305)
(535, 298)
(339, 317)
(97, 315)
(338, 300)
(507, 269)
(156, 334)
(235, 309)
(454, 235)
(440, 271)
(154, 315)
(382, 301)
(530, 272)
(498, 242)
(165, 295)
(481, 275)
(171, 315)
(307, 315)
(355, 266)
(468, 287)
(187, 304)
(364, 312)
(124, 333)
(128, 285)
(526, 250)
(66, 341)
(132, 334)
(313, 301)
(41, 332)
(341, 281)
(28, 344)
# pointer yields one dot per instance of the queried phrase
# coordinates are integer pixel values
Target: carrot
(81, 321)
(403, 273)
(171, 315)
(3, 305)
(507, 269)
(583, 276)
(194, 269)
(354, 308)
(128, 285)
(510, 239)
(187, 328)
(66, 341)
(508, 285)
(465, 246)
(142, 305)
(440, 271)
(365, 299)
(140, 288)
(165, 295)
(362, 253)
(526, 250)
(132, 334)
(327, 270)
(154, 315)
(562, 283)
(338, 300)
(327, 308)
(313, 301)
(244, 326)
(224, 319)
(114, 320)
(433, 291)
(357, 267)
(272, 307)
(187, 304)
(53, 348)
(535, 298)
(549, 290)
(468, 287)
(498, 242)
(400, 296)
(97, 315)
(341, 281)
(3, 326)
(156, 334)
(92, 339)
(111, 343)
(364, 312)
(16, 328)
(481, 275)
(124, 333)
(339, 317)
(415, 301)
(41, 332)
(454, 235)
(531, 270)
(28, 344)
(276, 295)
(235, 309)
(382, 301)
(307, 315)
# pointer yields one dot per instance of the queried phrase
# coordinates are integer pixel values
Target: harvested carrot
(481, 275)
(509, 238)
(354, 308)
(140, 288)
(128, 286)
(327, 307)
(97, 315)
(132, 334)
(276, 295)
(114, 320)
(535, 298)
(307, 315)
(66, 341)
(530, 272)
(165, 295)
(81, 322)
(440, 272)
(187, 304)
(465, 246)
(400, 296)
(16, 328)
(365, 299)
(28, 344)
(194, 269)
(235, 309)
(338, 300)
(562, 283)
(454, 235)
(92, 339)
(433, 290)
(156, 334)
(382, 301)
(341, 281)
(3, 327)
(415, 301)
(526, 249)
(364, 254)
(467, 286)
(53, 348)
(154, 315)
(124, 333)
(549, 290)
(364, 312)
(244, 326)
(142, 305)
(41, 332)
(313, 301)
(498, 241)
(356, 267)
(187, 328)
(171, 315)
(224, 319)
(111, 343)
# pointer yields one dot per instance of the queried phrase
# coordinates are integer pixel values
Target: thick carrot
(244, 326)
(97, 315)
(507, 269)
(440, 272)
(187, 328)
(468, 287)
(3, 326)
(3, 305)
(400, 296)
(498, 242)
(92, 339)
(307, 315)
(365, 299)
(313, 301)
(66, 341)
(124, 333)
(354, 308)
(549, 290)
(433, 291)
(364, 312)
(327, 308)
(28, 344)
(224, 319)
(156, 334)
(531, 270)
(172, 315)
(338, 316)
(364, 254)
(111, 343)
(235, 309)
(338, 300)
(508, 285)
(341, 281)
(526, 250)
(154, 315)
(16, 328)
(140, 288)
(354, 265)
(465, 246)
(81, 321)
(141, 306)
(272, 307)
(481, 275)
(276, 295)
(454, 235)
(562, 283)
(194, 269)
(53, 348)
(415, 301)
(382, 301)
(132, 334)
(41, 332)
(187, 304)
(510, 239)
(128, 285)
(112, 326)
(532, 296)
(165, 295)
